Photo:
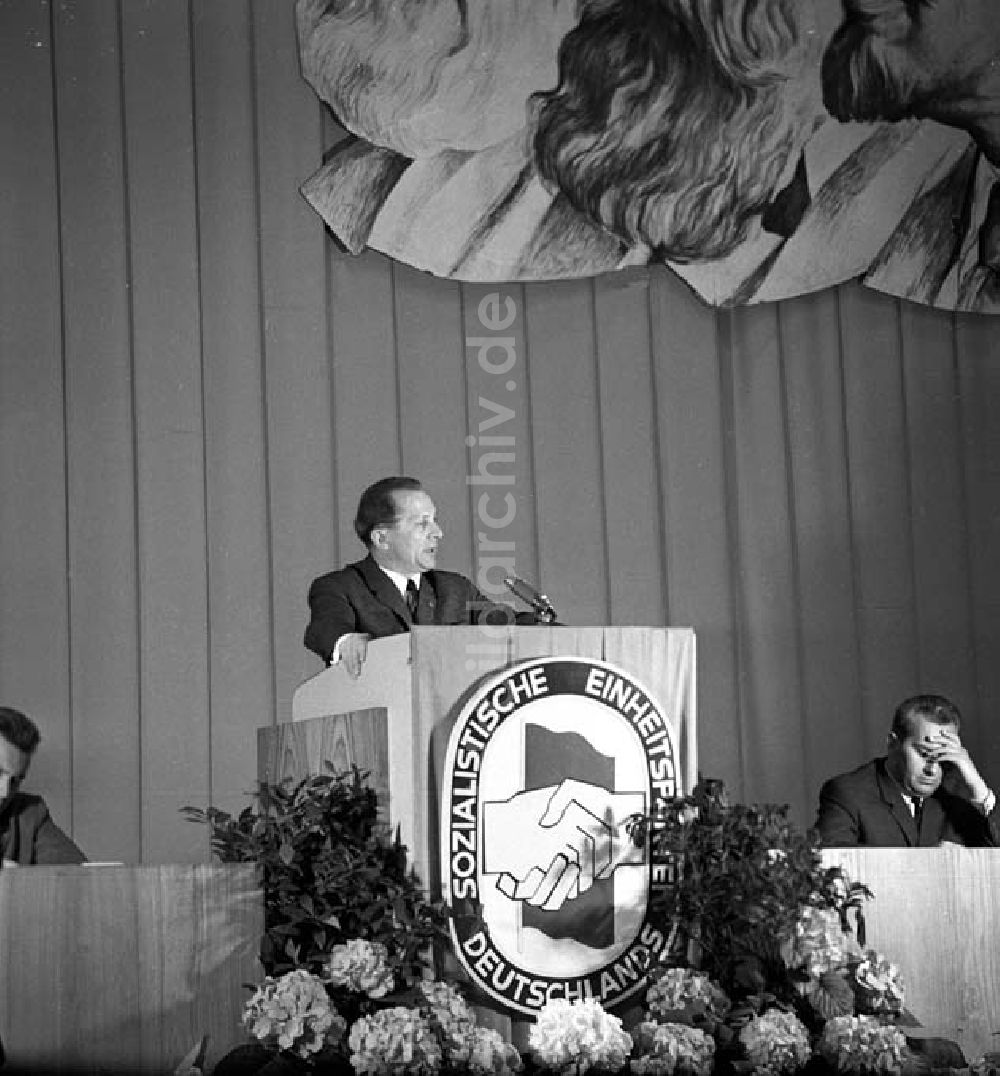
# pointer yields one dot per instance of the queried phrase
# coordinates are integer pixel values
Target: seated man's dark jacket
(866, 807)
(361, 597)
(28, 836)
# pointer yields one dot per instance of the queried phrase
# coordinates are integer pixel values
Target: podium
(935, 915)
(515, 757)
(124, 969)
(421, 680)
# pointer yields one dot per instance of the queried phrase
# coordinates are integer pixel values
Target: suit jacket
(28, 835)
(361, 597)
(866, 807)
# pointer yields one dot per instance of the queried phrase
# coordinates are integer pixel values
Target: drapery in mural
(760, 148)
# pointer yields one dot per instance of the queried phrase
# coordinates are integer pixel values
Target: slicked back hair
(18, 729)
(936, 708)
(377, 507)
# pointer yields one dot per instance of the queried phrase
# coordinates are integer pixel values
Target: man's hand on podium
(551, 844)
(353, 649)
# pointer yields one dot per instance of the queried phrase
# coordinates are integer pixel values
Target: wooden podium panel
(424, 677)
(124, 969)
(936, 915)
(293, 750)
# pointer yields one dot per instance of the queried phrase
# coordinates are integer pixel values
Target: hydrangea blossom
(819, 943)
(682, 988)
(672, 1050)
(776, 1042)
(878, 985)
(394, 1042)
(360, 965)
(450, 1010)
(293, 1013)
(862, 1044)
(483, 1052)
(576, 1036)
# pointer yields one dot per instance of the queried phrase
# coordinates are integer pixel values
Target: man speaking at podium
(397, 584)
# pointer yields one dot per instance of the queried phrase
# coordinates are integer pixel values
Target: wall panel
(170, 429)
(499, 460)
(877, 460)
(941, 570)
(100, 434)
(365, 419)
(687, 354)
(35, 649)
(572, 554)
(765, 560)
(978, 357)
(241, 666)
(832, 718)
(433, 424)
(633, 528)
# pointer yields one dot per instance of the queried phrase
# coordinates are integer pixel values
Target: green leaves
(742, 873)
(331, 871)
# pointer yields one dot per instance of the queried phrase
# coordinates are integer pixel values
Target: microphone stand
(539, 603)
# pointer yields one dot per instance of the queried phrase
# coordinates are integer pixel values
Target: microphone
(527, 593)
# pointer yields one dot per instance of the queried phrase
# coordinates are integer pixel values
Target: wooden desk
(124, 969)
(936, 914)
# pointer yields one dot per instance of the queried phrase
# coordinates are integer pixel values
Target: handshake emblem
(549, 845)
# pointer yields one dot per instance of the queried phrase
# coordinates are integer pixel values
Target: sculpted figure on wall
(760, 148)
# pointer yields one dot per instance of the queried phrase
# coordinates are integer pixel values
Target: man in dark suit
(926, 789)
(397, 585)
(27, 833)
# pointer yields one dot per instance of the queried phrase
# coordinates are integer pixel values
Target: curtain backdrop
(195, 384)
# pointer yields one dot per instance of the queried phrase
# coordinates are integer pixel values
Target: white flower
(293, 1013)
(819, 943)
(776, 1042)
(483, 1052)
(394, 1042)
(449, 1009)
(575, 1036)
(682, 988)
(862, 1044)
(360, 965)
(879, 983)
(672, 1050)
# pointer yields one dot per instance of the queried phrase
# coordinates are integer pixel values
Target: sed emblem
(550, 894)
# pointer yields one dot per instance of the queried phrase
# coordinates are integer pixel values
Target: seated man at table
(27, 833)
(397, 584)
(925, 790)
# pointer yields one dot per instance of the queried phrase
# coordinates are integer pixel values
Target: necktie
(412, 599)
(918, 810)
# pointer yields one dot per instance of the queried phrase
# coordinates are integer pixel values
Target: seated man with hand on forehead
(926, 790)
(397, 584)
(28, 835)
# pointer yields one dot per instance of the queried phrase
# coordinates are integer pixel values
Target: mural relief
(760, 148)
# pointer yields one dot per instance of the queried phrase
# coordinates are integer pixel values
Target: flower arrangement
(775, 1043)
(426, 1031)
(688, 993)
(293, 1013)
(331, 873)
(577, 1037)
(862, 1044)
(766, 971)
(361, 966)
(672, 1050)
